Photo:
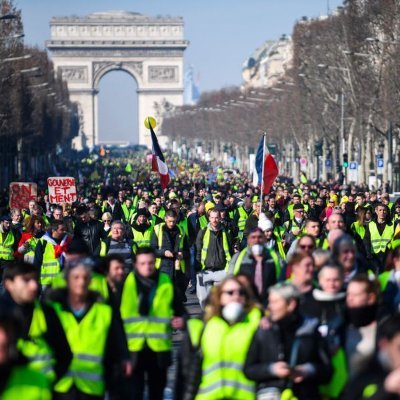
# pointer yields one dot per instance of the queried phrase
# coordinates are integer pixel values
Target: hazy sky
(222, 34)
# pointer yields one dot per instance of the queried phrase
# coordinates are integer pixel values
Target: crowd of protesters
(299, 289)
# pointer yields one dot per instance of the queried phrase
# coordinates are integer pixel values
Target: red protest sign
(21, 193)
(61, 190)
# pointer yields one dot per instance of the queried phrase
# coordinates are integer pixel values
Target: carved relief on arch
(101, 68)
(74, 74)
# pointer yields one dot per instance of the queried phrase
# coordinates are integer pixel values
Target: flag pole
(263, 162)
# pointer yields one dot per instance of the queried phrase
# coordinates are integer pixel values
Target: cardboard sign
(61, 190)
(21, 193)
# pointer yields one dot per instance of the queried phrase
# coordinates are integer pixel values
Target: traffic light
(318, 149)
(345, 160)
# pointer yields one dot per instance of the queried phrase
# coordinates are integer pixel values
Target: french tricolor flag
(158, 161)
(266, 168)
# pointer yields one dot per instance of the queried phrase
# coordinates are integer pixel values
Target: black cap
(142, 211)
(220, 207)
(6, 218)
(298, 206)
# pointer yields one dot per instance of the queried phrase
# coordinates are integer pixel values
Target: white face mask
(257, 249)
(232, 312)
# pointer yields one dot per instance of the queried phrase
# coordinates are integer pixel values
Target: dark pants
(147, 370)
(75, 394)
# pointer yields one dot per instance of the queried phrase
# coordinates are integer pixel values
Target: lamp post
(7, 16)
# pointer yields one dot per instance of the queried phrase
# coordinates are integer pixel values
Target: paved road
(193, 308)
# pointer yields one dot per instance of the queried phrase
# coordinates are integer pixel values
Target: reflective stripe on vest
(87, 339)
(35, 348)
(142, 239)
(153, 330)
(273, 255)
(6, 247)
(206, 243)
(379, 243)
(50, 264)
(224, 349)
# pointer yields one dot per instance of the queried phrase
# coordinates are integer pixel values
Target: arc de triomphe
(150, 49)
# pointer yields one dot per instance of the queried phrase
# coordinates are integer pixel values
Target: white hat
(264, 223)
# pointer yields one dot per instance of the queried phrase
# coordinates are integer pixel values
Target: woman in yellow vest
(214, 351)
(93, 333)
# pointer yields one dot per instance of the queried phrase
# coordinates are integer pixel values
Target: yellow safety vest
(379, 243)
(6, 247)
(203, 222)
(128, 213)
(358, 229)
(224, 349)
(206, 242)
(24, 383)
(35, 348)
(158, 229)
(273, 256)
(154, 329)
(87, 339)
(142, 239)
(243, 215)
(50, 265)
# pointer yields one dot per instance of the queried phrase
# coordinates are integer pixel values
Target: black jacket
(277, 344)
(91, 232)
(374, 374)
(170, 241)
(215, 259)
(248, 267)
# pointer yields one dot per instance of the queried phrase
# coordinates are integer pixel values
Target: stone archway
(150, 49)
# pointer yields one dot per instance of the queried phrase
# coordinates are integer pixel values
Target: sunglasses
(306, 246)
(240, 292)
(106, 220)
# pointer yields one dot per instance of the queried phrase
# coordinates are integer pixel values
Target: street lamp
(353, 53)
(16, 36)
(10, 59)
(8, 16)
(377, 40)
(324, 66)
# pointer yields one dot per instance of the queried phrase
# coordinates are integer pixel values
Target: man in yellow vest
(17, 379)
(9, 239)
(213, 255)
(150, 311)
(142, 229)
(50, 252)
(377, 238)
(260, 264)
(94, 333)
(42, 339)
(171, 249)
